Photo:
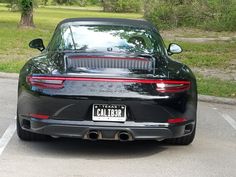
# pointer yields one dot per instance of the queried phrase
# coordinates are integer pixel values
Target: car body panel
(69, 109)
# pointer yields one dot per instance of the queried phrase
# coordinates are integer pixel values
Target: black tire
(185, 140)
(29, 136)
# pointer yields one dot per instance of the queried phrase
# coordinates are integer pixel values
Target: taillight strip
(45, 82)
(168, 87)
(144, 81)
(161, 85)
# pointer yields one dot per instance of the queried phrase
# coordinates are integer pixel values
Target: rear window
(106, 38)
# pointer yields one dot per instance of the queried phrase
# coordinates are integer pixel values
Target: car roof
(110, 21)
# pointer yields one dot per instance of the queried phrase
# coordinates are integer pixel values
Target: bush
(122, 5)
(208, 14)
(93, 2)
(77, 2)
(224, 16)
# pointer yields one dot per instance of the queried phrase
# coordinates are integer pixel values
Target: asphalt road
(212, 154)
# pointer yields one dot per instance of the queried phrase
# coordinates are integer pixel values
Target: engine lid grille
(100, 62)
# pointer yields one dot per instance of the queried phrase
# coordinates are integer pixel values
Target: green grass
(216, 87)
(208, 54)
(197, 33)
(12, 66)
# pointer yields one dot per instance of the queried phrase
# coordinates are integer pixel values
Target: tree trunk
(27, 19)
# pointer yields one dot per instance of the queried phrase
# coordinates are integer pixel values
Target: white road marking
(229, 119)
(6, 137)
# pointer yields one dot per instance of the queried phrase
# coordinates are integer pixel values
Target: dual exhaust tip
(93, 135)
(122, 135)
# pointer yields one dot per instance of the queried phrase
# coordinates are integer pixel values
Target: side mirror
(174, 49)
(37, 44)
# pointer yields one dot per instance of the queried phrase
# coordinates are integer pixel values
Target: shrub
(208, 14)
(122, 5)
(71, 2)
(224, 13)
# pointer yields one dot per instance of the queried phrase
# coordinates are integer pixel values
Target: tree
(26, 7)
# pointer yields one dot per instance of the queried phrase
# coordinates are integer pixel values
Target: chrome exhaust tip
(93, 135)
(124, 136)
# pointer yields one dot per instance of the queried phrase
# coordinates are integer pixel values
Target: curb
(214, 99)
(203, 98)
(9, 75)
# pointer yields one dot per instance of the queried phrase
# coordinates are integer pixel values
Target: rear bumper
(106, 130)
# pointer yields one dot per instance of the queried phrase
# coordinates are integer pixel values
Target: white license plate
(109, 112)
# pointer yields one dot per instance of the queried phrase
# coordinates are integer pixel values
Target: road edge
(214, 99)
(9, 75)
(203, 98)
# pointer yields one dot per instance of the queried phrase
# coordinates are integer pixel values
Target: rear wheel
(28, 136)
(185, 140)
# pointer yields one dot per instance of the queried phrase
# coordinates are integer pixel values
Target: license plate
(109, 112)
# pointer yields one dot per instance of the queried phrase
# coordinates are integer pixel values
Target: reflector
(176, 120)
(39, 116)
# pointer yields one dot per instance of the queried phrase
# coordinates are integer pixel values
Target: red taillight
(46, 82)
(39, 116)
(176, 120)
(166, 86)
(163, 86)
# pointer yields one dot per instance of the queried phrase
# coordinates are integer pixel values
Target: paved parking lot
(212, 154)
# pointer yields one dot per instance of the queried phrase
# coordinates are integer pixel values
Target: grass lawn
(216, 87)
(14, 50)
(208, 54)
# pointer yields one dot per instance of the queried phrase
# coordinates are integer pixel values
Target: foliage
(122, 5)
(13, 5)
(26, 6)
(22, 5)
(45, 2)
(208, 14)
(93, 2)
(77, 2)
(224, 13)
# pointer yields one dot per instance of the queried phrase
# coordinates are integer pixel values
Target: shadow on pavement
(76, 148)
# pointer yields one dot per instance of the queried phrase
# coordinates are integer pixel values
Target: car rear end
(109, 98)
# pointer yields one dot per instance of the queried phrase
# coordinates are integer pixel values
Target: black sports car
(106, 79)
